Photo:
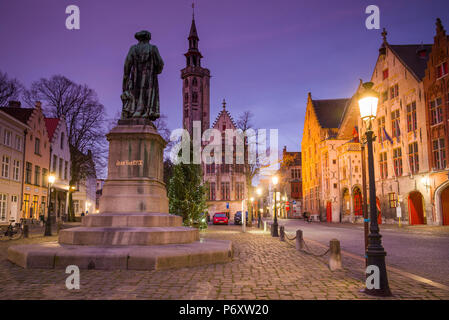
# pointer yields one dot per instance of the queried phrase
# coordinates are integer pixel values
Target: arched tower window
(195, 97)
(195, 82)
(186, 98)
(186, 82)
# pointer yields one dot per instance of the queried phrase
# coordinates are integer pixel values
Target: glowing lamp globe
(368, 102)
(51, 179)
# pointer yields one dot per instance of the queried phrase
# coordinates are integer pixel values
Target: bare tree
(85, 118)
(10, 89)
(251, 169)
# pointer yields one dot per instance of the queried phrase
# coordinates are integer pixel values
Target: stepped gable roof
(329, 111)
(51, 124)
(410, 57)
(226, 113)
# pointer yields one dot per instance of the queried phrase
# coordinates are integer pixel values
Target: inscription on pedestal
(129, 163)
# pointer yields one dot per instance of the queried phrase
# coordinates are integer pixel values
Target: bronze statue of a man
(140, 95)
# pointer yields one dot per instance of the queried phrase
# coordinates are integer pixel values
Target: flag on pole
(355, 134)
(387, 136)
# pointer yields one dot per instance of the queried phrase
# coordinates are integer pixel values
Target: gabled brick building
(321, 125)
(401, 146)
(436, 89)
(37, 160)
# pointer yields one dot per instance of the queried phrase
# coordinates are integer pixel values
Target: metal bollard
(299, 240)
(335, 255)
(25, 231)
(264, 226)
(281, 233)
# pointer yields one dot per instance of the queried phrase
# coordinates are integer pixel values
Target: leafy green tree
(187, 195)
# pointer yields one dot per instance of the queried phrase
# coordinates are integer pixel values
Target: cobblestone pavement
(421, 250)
(263, 268)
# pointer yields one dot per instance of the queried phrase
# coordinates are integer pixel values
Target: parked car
(220, 218)
(238, 217)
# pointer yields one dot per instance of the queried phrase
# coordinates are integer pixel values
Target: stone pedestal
(135, 170)
(134, 229)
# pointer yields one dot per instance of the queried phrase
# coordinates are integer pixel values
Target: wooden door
(415, 208)
(329, 212)
(445, 206)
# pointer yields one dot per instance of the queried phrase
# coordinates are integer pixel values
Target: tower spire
(193, 10)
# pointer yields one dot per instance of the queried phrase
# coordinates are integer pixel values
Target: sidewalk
(263, 268)
(415, 229)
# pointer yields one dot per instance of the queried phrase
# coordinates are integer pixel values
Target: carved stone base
(133, 229)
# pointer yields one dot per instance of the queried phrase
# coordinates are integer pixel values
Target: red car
(220, 218)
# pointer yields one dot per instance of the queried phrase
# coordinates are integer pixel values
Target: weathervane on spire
(193, 10)
(224, 103)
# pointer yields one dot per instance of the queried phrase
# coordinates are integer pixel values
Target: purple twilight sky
(264, 55)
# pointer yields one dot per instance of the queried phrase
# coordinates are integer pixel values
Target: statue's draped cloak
(140, 84)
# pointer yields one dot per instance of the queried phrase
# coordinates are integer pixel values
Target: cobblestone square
(263, 268)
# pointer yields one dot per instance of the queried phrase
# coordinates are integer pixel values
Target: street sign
(227, 205)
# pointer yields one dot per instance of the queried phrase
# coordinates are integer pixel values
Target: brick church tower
(195, 88)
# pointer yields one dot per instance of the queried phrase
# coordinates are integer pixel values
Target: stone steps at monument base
(52, 255)
(137, 219)
(127, 236)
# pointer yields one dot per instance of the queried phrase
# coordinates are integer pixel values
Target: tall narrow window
(413, 157)
(441, 70)
(7, 140)
(16, 170)
(439, 154)
(37, 175)
(37, 146)
(44, 177)
(61, 165)
(411, 117)
(385, 74)
(395, 122)
(383, 165)
(19, 143)
(55, 163)
(5, 166)
(212, 191)
(397, 161)
(436, 111)
(29, 168)
(380, 128)
(3, 203)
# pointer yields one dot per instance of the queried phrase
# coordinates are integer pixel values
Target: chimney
(422, 52)
(14, 104)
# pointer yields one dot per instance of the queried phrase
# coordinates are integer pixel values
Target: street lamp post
(275, 233)
(259, 218)
(51, 180)
(375, 252)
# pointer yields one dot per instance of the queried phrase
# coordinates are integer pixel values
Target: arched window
(186, 82)
(186, 98)
(195, 82)
(195, 97)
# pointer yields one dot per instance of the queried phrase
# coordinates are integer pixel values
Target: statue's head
(143, 35)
